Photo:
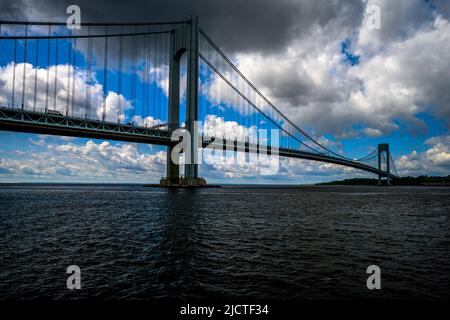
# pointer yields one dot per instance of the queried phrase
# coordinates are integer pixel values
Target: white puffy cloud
(439, 153)
(160, 76)
(433, 161)
(215, 126)
(146, 121)
(89, 161)
(374, 133)
(410, 76)
(115, 105)
(70, 94)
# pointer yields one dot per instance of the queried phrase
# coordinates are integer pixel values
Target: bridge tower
(184, 40)
(384, 147)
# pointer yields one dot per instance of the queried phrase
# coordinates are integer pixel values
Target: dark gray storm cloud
(238, 25)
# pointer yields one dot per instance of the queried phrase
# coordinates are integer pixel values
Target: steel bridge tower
(384, 147)
(184, 40)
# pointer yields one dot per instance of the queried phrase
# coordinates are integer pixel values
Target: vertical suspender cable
(158, 76)
(48, 68)
(36, 62)
(24, 65)
(56, 73)
(69, 71)
(217, 103)
(141, 70)
(200, 85)
(119, 109)
(89, 79)
(105, 76)
(74, 70)
(134, 71)
(161, 72)
(14, 72)
(149, 80)
(154, 80)
(146, 78)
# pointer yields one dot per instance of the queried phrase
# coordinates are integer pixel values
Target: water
(254, 243)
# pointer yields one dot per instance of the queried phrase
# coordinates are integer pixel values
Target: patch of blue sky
(348, 56)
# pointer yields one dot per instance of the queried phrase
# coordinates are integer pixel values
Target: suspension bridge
(139, 82)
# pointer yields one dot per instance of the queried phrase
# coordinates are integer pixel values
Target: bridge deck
(53, 124)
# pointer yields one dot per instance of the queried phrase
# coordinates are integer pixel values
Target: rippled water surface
(260, 242)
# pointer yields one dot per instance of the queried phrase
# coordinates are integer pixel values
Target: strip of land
(401, 181)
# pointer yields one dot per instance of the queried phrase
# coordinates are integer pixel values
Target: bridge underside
(35, 122)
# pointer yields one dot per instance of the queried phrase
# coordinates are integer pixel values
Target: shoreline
(208, 186)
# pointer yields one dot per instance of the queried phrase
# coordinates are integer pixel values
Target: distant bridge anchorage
(138, 82)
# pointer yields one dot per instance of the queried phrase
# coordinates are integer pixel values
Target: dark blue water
(263, 243)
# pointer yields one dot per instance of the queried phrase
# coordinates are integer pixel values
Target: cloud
(146, 122)
(288, 170)
(439, 153)
(399, 21)
(230, 164)
(160, 75)
(433, 161)
(251, 25)
(373, 133)
(96, 161)
(407, 75)
(215, 126)
(70, 95)
(91, 160)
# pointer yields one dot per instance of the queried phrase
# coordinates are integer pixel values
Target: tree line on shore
(401, 181)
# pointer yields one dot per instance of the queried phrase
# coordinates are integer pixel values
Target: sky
(317, 61)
